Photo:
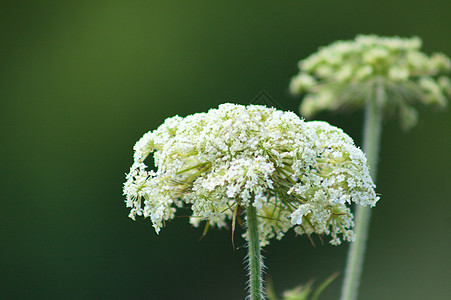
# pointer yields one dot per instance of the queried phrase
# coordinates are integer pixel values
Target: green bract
(346, 74)
(295, 173)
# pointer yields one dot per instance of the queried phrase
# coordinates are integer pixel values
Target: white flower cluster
(297, 174)
(345, 73)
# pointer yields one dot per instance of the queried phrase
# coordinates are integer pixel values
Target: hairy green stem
(371, 140)
(254, 257)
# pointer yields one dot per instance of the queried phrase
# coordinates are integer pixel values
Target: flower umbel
(296, 174)
(346, 74)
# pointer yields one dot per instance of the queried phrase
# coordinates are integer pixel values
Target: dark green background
(81, 81)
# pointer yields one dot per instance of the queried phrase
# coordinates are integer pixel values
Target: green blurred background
(81, 81)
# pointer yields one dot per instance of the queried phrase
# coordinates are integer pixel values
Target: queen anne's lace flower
(346, 74)
(297, 174)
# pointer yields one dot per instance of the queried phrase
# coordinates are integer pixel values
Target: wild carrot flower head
(346, 74)
(297, 174)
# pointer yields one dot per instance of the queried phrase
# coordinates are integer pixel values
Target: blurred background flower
(349, 74)
(81, 81)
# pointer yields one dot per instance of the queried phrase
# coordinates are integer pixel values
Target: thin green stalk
(371, 140)
(254, 257)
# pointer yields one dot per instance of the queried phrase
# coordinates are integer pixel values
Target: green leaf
(323, 285)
